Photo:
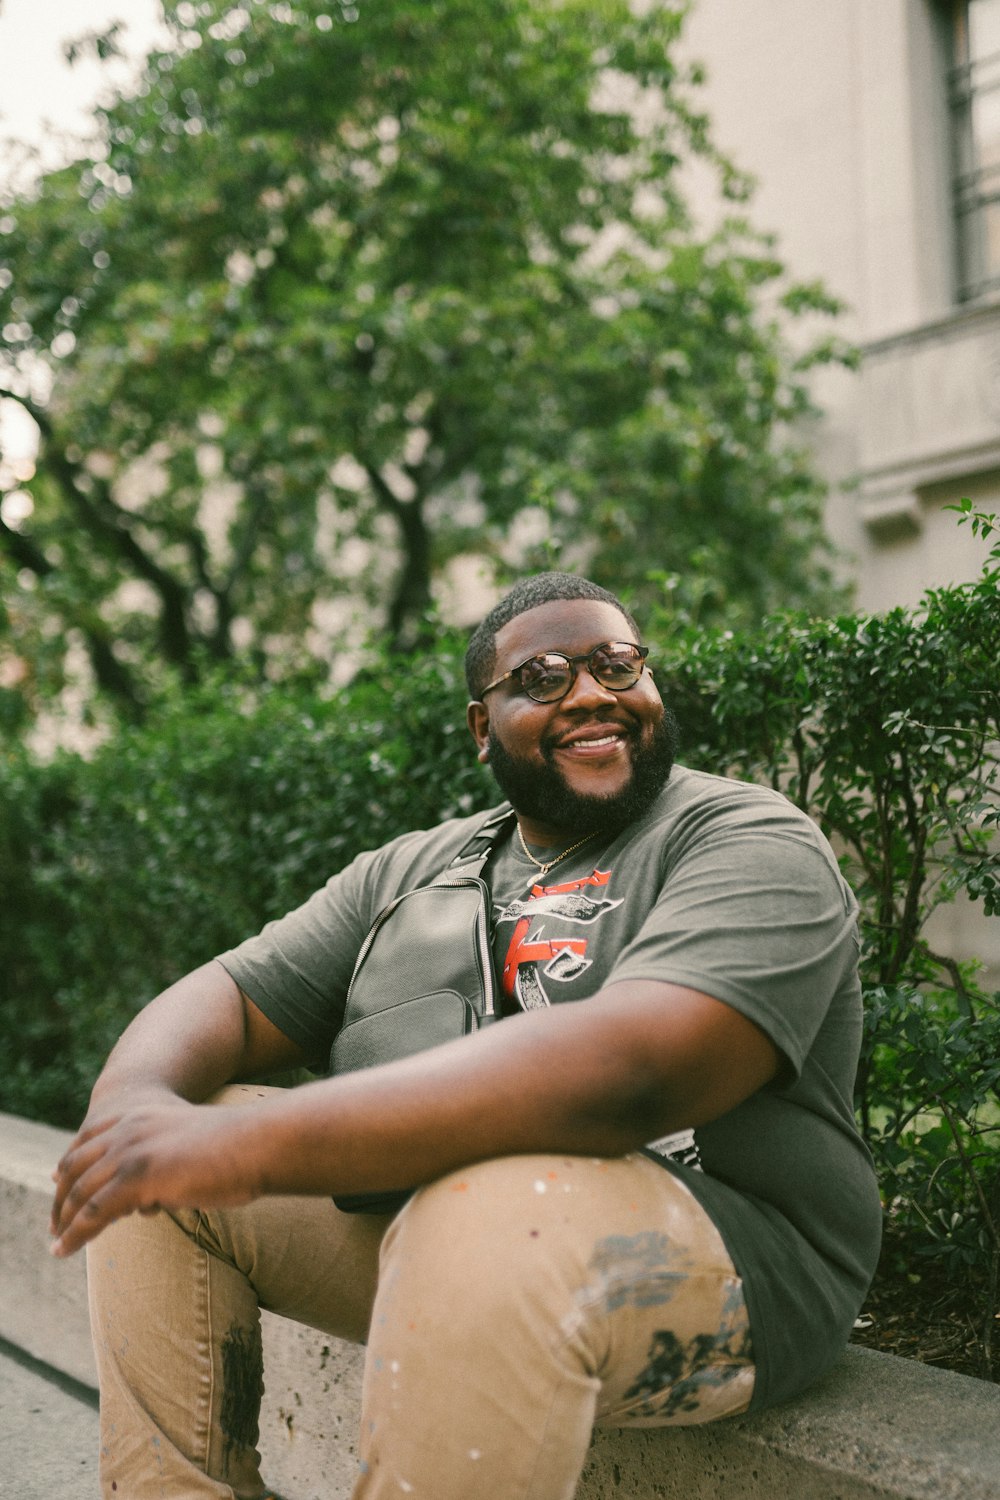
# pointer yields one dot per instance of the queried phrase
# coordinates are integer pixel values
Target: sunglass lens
(546, 678)
(617, 668)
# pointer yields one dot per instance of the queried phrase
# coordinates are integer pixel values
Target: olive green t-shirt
(723, 887)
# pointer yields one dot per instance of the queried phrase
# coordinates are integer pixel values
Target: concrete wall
(840, 113)
(876, 1428)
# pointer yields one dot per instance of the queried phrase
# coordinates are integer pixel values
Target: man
(650, 1207)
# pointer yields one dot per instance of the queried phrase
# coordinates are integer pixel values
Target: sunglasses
(547, 678)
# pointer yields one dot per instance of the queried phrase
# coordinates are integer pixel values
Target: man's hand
(158, 1153)
(142, 1145)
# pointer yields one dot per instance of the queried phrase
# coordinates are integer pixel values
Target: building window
(975, 107)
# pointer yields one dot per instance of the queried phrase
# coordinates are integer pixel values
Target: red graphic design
(599, 877)
(532, 954)
(545, 950)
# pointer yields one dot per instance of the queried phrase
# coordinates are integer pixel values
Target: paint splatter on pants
(507, 1309)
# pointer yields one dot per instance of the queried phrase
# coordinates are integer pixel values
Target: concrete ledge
(876, 1428)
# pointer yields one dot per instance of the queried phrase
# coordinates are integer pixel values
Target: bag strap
(477, 849)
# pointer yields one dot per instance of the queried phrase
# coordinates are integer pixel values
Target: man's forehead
(567, 625)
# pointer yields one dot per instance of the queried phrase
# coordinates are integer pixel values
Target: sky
(38, 90)
(37, 85)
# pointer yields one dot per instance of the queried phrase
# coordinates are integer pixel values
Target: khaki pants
(507, 1309)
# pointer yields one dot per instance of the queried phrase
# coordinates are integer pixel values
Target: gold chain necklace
(543, 869)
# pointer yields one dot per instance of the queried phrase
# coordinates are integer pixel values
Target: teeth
(607, 739)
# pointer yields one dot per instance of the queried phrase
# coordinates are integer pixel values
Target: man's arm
(197, 1035)
(601, 1077)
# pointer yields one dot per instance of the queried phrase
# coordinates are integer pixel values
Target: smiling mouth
(602, 743)
(588, 743)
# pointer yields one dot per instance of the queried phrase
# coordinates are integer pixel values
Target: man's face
(594, 760)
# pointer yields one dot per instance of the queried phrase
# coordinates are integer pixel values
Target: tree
(346, 290)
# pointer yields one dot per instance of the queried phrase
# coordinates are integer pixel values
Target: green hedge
(122, 871)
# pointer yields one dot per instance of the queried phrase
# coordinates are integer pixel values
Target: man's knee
(505, 1204)
(512, 1237)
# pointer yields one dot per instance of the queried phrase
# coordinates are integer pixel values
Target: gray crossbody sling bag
(424, 976)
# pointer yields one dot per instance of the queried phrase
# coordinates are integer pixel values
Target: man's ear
(477, 716)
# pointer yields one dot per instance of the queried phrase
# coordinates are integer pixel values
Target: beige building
(873, 130)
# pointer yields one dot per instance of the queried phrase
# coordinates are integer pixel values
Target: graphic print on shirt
(553, 926)
(549, 941)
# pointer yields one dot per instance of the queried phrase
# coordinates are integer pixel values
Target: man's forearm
(635, 1062)
(524, 1086)
(599, 1078)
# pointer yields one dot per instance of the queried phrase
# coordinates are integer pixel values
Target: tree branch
(412, 592)
(112, 676)
(109, 524)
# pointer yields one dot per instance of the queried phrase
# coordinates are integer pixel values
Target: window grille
(975, 107)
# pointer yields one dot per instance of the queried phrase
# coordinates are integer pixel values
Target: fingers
(95, 1186)
(174, 1157)
(84, 1150)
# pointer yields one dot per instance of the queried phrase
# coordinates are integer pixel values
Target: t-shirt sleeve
(758, 917)
(298, 968)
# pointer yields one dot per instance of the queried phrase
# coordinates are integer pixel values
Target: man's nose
(586, 691)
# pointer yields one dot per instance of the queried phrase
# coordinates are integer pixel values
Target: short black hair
(529, 593)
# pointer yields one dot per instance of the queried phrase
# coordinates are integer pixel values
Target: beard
(542, 793)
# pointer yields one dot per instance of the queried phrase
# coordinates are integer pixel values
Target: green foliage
(333, 300)
(884, 728)
(178, 839)
(929, 1102)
